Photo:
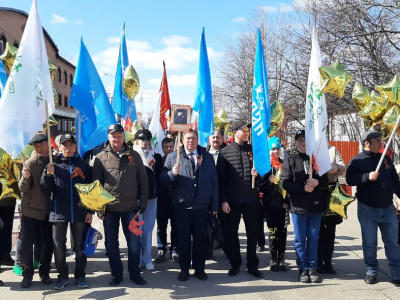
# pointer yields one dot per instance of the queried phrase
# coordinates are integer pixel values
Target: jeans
(111, 230)
(370, 219)
(306, 234)
(149, 217)
(78, 232)
(38, 232)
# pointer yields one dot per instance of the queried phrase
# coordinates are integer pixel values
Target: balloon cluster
(378, 109)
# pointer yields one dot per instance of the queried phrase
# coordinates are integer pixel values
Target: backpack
(91, 240)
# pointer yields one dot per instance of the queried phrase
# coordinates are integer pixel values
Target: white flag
(22, 105)
(316, 116)
(156, 129)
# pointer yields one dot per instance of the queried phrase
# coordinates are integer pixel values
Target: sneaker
(256, 273)
(149, 266)
(160, 256)
(233, 272)
(304, 277)
(274, 267)
(201, 275)
(313, 276)
(174, 256)
(46, 280)
(61, 283)
(26, 282)
(282, 265)
(183, 276)
(370, 279)
(36, 264)
(330, 269)
(17, 270)
(81, 282)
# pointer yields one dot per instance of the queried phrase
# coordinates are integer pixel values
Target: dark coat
(198, 190)
(123, 177)
(65, 198)
(294, 178)
(234, 166)
(378, 193)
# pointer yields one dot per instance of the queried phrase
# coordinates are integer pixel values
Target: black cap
(299, 133)
(143, 134)
(39, 137)
(67, 137)
(115, 127)
(370, 134)
(237, 125)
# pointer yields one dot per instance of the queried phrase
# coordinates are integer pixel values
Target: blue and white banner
(261, 113)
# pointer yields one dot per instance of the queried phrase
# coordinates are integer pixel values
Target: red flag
(128, 124)
(165, 104)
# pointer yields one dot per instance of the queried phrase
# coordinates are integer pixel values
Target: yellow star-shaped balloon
(130, 82)
(93, 196)
(8, 56)
(361, 96)
(339, 202)
(9, 174)
(390, 90)
(334, 79)
(221, 120)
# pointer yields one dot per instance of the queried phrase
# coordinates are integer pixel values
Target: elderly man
(35, 214)
(194, 194)
(235, 170)
(122, 173)
(216, 144)
(375, 204)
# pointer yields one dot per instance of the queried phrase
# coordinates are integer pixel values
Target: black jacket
(198, 190)
(234, 172)
(378, 193)
(64, 202)
(294, 178)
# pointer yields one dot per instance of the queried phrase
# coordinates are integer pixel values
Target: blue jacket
(198, 190)
(378, 193)
(64, 202)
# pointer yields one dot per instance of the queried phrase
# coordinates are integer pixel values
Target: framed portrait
(180, 120)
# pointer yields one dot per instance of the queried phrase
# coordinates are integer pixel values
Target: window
(65, 125)
(71, 80)
(3, 42)
(65, 101)
(59, 74)
(65, 78)
(59, 100)
(59, 125)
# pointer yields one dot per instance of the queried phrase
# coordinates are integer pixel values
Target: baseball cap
(370, 134)
(67, 137)
(239, 125)
(115, 127)
(299, 133)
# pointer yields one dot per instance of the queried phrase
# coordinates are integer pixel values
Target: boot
(274, 266)
(281, 262)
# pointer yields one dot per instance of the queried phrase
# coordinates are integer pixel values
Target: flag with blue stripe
(120, 99)
(3, 77)
(203, 101)
(89, 96)
(261, 113)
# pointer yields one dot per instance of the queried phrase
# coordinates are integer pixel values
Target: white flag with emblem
(22, 105)
(316, 116)
(156, 128)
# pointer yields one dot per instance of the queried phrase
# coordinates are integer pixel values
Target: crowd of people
(185, 186)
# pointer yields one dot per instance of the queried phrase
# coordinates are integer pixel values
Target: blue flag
(120, 100)
(260, 113)
(3, 77)
(203, 101)
(89, 96)
(132, 110)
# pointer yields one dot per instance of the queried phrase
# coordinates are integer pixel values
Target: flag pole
(79, 131)
(48, 132)
(388, 143)
(310, 170)
(178, 148)
(253, 178)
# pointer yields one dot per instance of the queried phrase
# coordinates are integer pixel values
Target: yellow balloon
(334, 79)
(361, 96)
(8, 177)
(53, 70)
(130, 82)
(390, 90)
(8, 56)
(339, 202)
(93, 196)
(221, 121)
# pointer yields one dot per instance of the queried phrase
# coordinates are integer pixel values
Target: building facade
(12, 24)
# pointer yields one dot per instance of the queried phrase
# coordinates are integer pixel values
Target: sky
(155, 30)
